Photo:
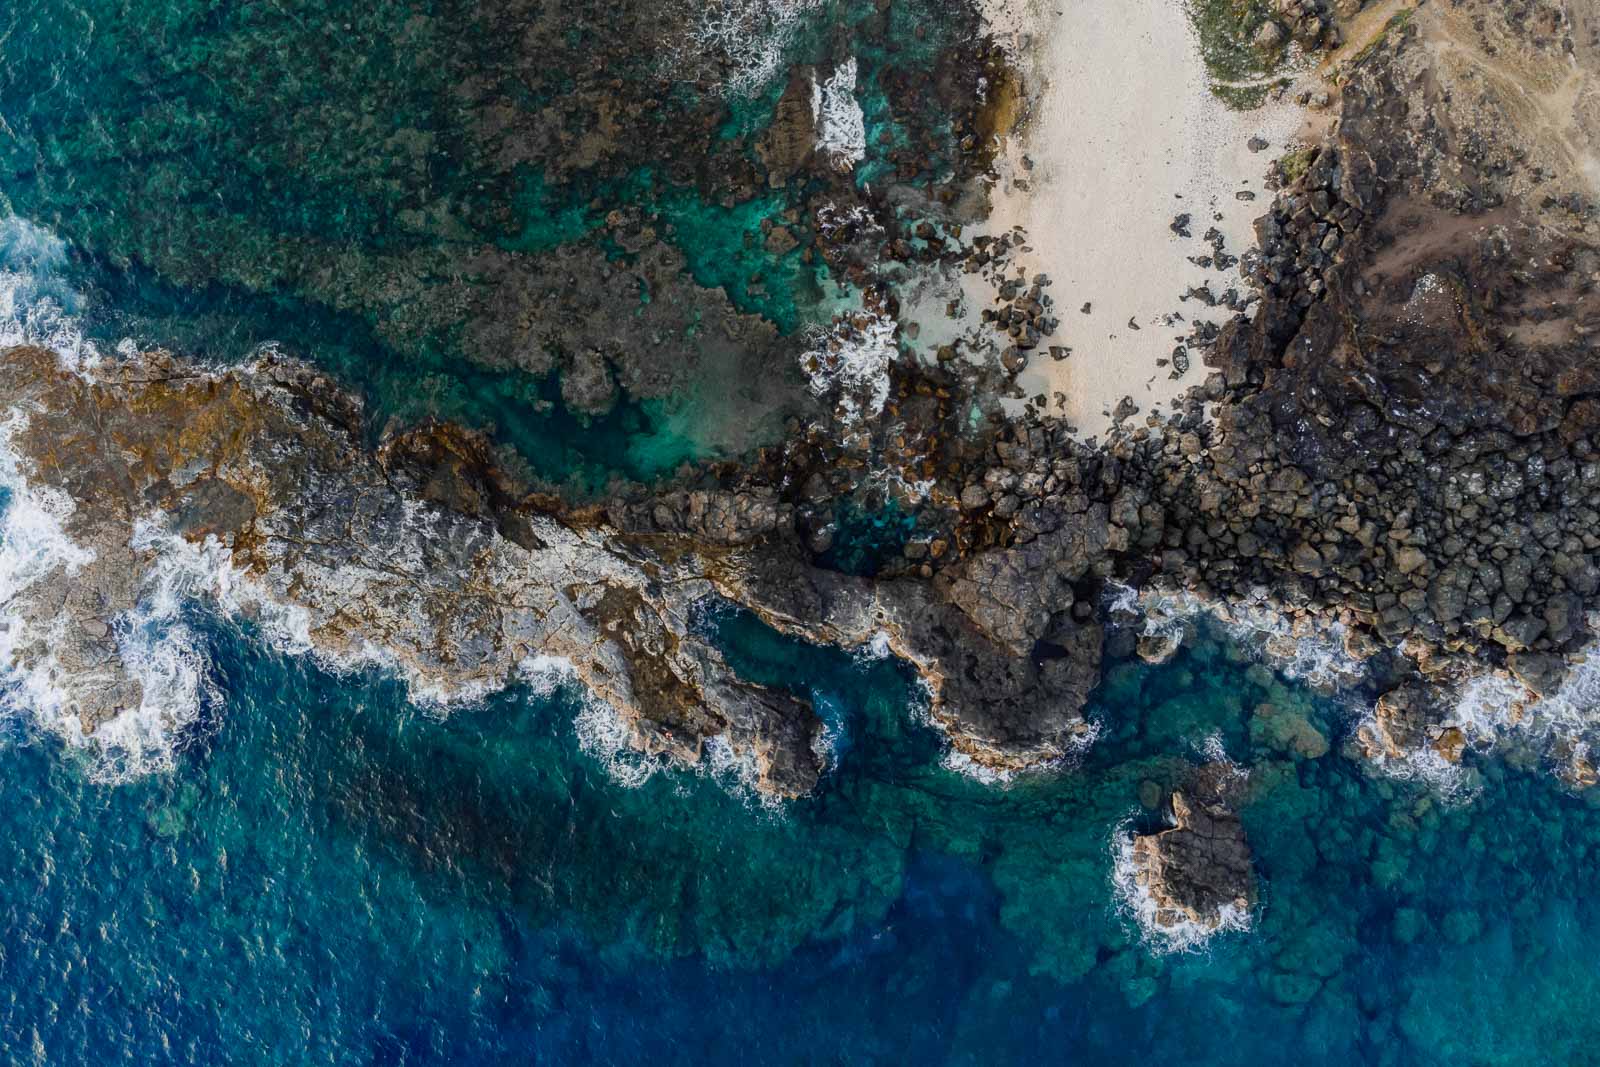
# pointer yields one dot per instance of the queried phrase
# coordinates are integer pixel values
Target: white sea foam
(1314, 654)
(879, 647)
(736, 771)
(543, 675)
(832, 736)
(37, 307)
(851, 362)
(836, 223)
(185, 571)
(899, 488)
(1493, 708)
(160, 649)
(1075, 747)
(841, 127)
(605, 738)
(1211, 750)
(157, 648)
(205, 571)
(1161, 934)
(34, 545)
(750, 38)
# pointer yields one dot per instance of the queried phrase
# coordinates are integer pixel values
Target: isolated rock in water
(1197, 874)
(1160, 647)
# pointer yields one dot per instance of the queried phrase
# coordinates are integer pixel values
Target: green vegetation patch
(1227, 30)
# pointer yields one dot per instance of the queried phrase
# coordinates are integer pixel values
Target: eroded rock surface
(423, 557)
(1198, 873)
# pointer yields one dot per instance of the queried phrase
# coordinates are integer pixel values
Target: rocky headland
(421, 557)
(1397, 447)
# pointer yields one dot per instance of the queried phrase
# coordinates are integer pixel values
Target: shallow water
(329, 874)
(331, 177)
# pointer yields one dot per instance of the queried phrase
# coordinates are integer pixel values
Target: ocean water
(329, 875)
(313, 870)
(330, 177)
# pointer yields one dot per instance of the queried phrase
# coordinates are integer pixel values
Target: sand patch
(1123, 136)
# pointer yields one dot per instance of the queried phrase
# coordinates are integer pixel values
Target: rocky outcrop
(1407, 721)
(790, 142)
(415, 558)
(587, 385)
(426, 559)
(1197, 874)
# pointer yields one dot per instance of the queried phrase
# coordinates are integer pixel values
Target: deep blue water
(332, 876)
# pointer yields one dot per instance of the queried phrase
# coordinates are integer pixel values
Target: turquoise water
(332, 876)
(329, 874)
(343, 179)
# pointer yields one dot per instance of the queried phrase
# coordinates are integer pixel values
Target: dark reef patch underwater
(329, 874)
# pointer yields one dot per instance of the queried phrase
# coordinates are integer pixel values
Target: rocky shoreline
(1400, 445)
(423, 558)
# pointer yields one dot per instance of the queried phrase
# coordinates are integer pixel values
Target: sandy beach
(1123, 135)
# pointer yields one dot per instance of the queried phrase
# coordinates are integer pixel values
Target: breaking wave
(37, 305)
(604, 738)
(155, 641)
(1316, 655)
(841, 126)
(34, 545)
(748, 39)
(958, 762)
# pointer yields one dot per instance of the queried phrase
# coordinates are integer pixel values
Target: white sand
(1124, 135)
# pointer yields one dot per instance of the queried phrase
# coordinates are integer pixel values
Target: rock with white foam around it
(1197, 873)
